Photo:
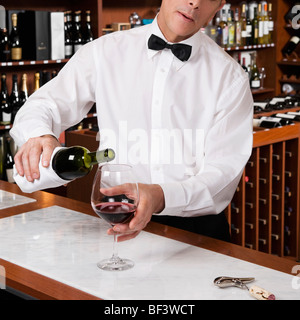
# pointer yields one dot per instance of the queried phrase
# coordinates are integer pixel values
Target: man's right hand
(28, 157)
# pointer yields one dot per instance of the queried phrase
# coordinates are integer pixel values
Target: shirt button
(156, 167)
(162, 70)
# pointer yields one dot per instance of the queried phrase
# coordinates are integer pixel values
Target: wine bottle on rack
(4, 46)
(266, 123)
(287, 116)
(243, 25)
(255, 28)
(255, 78)
(14, 98)
(238, 30)
(36, 81)
(24, 90)
(77, 36)
(5, 106)
(290, 45)
(75, 162)
(266, 24)
(8, 162)
(271, 24)
(68, 37)
(88, 34)
(224, 27)
(248, 30)
(282, 121)
(260, 25)
(14, 38)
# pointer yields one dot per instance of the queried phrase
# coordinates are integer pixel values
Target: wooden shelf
(32, 63)
(289, 63)
(251, 47)
(262, 90)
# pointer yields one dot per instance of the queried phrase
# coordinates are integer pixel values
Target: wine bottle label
(271, 119)
(77, 47)
(16, 53)
(295, 39)
(255, 84)
(256, 122)
(261, 104)
(6, 117)
(283, 115)
(271, 26)
(68, 50)
(10, 175)
(260, 29)
(244, 33)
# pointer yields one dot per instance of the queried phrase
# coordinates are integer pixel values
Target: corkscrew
(255, 291)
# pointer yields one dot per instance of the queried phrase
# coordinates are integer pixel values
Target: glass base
(115, 264)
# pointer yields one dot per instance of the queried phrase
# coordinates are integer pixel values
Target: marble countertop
(66, 245)
(9, 199)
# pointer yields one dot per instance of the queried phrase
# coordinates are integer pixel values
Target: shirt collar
(194, 41)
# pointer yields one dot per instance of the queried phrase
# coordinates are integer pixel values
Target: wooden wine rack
(264, 212)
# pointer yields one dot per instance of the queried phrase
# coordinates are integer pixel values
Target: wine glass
(114, 198)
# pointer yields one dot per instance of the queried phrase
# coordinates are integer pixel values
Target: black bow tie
(180, 50)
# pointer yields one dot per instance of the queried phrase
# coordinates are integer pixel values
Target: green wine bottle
(75, 162)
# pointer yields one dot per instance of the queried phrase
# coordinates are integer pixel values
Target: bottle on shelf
(243, 23)
(5, 106)
(14, 39)
(281, 121)
(255, 77)
(8, 161)
(291, 45)
(266, 24)
(4, 46)
(260, 25)
(271, 24)
(77, 36)
(255, 28)
(218, 29)
(292, 13)
(248, 29)
(68, 36)
(88, 34)
(75, 162)
(238, 30)
(36, 81)
(14, 98)
(291, 117)
(231, 29)
(224, 27)
(24, 90)
(266, 123)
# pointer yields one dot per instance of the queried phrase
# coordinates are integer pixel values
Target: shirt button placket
(159, 85)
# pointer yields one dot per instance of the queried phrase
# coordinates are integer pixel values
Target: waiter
(170, 102)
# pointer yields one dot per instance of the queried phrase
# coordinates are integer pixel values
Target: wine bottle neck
(101, 156)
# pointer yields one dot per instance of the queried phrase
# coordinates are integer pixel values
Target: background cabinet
(105, 12)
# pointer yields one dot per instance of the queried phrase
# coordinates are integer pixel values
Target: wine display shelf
(264, 212)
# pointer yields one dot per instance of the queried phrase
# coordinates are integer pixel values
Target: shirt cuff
(175, 200)
(21, 139)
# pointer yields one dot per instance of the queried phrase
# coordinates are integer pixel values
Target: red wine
(115, 212)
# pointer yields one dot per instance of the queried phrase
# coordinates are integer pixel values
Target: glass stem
(115, 249)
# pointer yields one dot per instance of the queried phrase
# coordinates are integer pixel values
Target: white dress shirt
(184, 125)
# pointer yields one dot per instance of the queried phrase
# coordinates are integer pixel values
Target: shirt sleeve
(61, 103)
(228, 146)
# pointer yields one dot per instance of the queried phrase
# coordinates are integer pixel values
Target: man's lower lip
(185, 17)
